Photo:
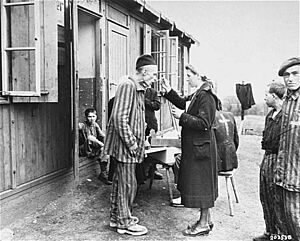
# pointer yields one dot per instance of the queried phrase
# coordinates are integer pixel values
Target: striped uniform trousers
(267, 188)
(124, 190)
(287, 169)
(288, 207)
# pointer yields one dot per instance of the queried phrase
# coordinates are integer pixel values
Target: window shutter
(29, 56)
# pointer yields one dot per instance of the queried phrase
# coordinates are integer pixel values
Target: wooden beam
(158, 19)
(141, 9)
(173, 26)
(75, 96)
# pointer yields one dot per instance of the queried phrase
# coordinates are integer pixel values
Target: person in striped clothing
(125, 141)
(287, 166)
(270, 143)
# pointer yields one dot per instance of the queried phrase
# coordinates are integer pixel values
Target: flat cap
(288, 63)
(143, 60)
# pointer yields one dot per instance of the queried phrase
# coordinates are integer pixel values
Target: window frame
(165, 53)
(6, 50)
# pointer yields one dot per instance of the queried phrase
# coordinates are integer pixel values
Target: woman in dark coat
(197, 181)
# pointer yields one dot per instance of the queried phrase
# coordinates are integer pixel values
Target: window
(165, 52)
(20, 44)
(29, 49)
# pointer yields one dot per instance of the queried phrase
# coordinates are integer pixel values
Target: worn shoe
(134, 229)
(176, 202)
(103, 176)
(134, 220)
(158, 176)
(263, 237)
(210, 225)
(196, 230)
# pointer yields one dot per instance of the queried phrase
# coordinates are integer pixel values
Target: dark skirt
(198, 179)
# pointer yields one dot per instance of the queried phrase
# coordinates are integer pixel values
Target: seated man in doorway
(91, 139)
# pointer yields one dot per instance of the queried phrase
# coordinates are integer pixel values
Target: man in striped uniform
(287, 167)
(270, 143)
(125, 141)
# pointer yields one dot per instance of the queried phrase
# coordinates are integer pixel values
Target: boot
(103, 176)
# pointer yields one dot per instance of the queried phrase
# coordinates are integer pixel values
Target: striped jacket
(287, 167)
(127, 123)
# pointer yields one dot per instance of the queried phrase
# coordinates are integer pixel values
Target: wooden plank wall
(118, 52)
(5, 156)
(136, 42)
(42, 139)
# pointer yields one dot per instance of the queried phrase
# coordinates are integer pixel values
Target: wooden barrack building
(59, 57)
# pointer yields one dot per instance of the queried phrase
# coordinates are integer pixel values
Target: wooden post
(75, 90)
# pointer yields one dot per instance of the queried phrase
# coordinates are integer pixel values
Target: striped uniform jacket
(127, 123)
(287, 167)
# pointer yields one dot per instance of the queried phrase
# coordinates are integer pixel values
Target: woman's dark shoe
(210, 225)
(196, 230)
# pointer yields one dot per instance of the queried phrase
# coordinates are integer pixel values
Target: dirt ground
(82, 214)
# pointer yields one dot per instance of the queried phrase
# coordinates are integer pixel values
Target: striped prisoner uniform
(267, 186)
(126, 127)
(287, 167)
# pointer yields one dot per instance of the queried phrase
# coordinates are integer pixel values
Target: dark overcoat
(197, 180)
(227, 140)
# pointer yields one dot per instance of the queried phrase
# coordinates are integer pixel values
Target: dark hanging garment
(244, 94)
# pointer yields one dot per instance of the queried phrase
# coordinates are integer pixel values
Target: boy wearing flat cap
(287, 166)
(125, 141)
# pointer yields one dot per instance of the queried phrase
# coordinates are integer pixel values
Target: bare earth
(83, 214)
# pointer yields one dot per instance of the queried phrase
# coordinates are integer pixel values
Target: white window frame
(165, 57)
(6, 50)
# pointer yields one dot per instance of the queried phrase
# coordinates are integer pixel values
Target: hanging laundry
(244, 94)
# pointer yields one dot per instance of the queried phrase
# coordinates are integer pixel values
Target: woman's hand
(176, 112)
(166, 85)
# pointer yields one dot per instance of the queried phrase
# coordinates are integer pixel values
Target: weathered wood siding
(5, 154)
(42, 141)
(118, 52)
(136, 42)
(36, 138)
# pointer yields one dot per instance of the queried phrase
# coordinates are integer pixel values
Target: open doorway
(89, 64)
